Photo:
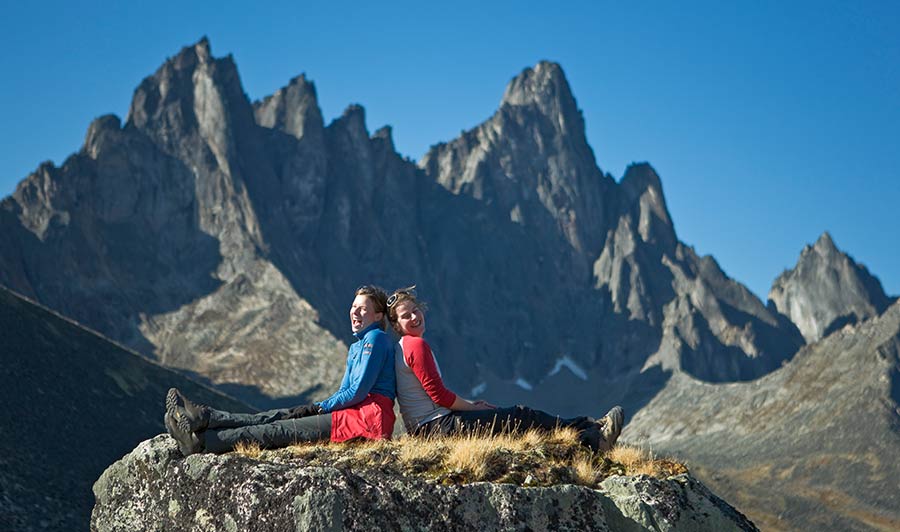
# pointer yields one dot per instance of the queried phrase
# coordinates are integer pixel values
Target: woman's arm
(420, 360)
(465, 404)
(359, 383)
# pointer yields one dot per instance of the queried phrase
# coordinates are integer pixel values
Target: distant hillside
(72, 404)
(812, 446)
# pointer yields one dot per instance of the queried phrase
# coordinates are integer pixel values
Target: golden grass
(638, 461)
(532, 459)
(250, 450)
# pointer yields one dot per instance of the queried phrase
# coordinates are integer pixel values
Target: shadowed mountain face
(811, 446)
(827, 290)
(73, 403)
(226, 238)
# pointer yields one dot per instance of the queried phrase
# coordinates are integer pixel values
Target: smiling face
(363, 314)
(410, 319)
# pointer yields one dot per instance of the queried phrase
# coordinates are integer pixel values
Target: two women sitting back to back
(377, 371)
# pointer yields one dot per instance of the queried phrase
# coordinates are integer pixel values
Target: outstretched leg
(269, 435)
(194, 417)
(598, 435)
(513, 419)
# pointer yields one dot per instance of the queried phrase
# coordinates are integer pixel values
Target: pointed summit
(191, 92)
(826, 290)
(293, 109)
(825, 245)
(543, 82)
(545, 88)
(642, 191)
(531, 160)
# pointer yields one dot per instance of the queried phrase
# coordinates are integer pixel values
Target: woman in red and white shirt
(429, 407)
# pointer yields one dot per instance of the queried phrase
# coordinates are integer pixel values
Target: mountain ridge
(233, 204)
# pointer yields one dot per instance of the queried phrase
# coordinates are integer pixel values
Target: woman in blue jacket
(362, 407)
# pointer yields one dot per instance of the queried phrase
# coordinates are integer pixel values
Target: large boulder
(154, 488)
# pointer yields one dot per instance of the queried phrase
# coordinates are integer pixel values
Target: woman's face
(410, 319)
(362, 313)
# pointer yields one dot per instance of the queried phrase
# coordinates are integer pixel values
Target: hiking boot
(188, 442)
(190, 416)
(591, 437)
(610, 427)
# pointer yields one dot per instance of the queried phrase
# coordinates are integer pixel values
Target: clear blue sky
(769, 122)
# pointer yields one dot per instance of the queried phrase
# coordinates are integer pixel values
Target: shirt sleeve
(359, 381)
(421, 361)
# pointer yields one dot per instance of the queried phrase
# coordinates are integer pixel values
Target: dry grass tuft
(532, 458)
(250, 450)
(638, 461)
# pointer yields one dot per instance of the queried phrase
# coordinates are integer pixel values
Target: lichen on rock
(154, 488)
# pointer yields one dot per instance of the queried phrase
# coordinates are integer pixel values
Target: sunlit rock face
(826, 290)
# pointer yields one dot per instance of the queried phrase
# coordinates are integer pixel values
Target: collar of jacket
(359, 334)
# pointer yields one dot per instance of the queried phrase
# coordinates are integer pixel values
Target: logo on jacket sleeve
(367, 349)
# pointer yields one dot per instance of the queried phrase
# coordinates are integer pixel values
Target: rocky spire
(826, 290)
(531, 162)
(642, 192)
(194, 92)
(545, 87)
(293, 109)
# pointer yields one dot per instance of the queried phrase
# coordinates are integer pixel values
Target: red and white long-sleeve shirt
(420, 388)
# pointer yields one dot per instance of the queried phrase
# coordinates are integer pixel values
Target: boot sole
(186, 445)
(173, 410)
(175, 407)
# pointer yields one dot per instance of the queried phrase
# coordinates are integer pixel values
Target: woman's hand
(305, 411)
(464, 404)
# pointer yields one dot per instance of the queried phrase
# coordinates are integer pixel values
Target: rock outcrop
(73, 403)
(154, 488)
(826, 427)
(826, 290)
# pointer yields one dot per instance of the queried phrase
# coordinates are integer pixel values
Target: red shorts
(373, 418)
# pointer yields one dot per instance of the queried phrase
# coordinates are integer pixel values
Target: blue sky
(768, 122)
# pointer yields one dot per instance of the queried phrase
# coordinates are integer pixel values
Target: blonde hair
(402, 295)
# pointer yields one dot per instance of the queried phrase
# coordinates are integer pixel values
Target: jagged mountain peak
(293, 109)
(825, 244)
(386, 135)
(97, 133)
(531, 160)
(354, 113)
(192, 87)
(544, 87)
(545, 82)
(642, 189)
(638, 178)
(826, 290)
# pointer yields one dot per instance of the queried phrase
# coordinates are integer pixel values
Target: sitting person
(363, 406)
(428, 407)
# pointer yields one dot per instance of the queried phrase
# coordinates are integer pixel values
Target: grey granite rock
(154, 488)
(826, 290)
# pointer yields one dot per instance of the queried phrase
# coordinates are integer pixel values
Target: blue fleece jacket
(370, 369)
